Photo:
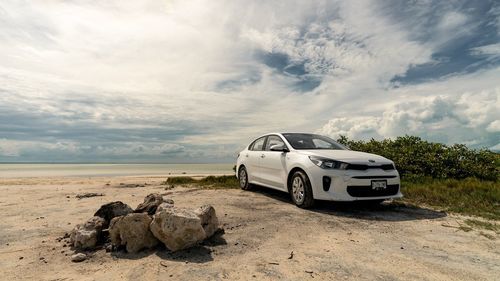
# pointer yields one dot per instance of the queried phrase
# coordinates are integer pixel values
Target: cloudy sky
(195, 81)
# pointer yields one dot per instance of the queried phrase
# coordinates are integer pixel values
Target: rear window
(258, 144)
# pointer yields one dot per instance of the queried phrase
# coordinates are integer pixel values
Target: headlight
(326, 163)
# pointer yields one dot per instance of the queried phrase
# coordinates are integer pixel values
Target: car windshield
(311, 141)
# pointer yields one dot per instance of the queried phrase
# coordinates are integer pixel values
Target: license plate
(379, 184)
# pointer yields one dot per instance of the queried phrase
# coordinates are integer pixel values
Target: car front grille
(375, 177)
(363, 167)
(367, 191)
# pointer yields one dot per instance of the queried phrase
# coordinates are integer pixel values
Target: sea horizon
(73, 169)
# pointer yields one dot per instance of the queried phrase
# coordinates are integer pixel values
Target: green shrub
(468, 196)
(214, 182)
(180, 180)
(416, 157)
(220, 181)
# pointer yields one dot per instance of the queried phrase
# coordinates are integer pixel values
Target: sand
(262, 229)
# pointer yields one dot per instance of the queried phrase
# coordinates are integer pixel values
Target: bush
(415, 157)
(468, 196)
(220, 181)
(215, 182)
(179, 180)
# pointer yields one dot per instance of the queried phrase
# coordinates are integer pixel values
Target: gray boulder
(164, 205)
(78, 257)
(208, 218)
(112, 210)
(150, 204)
(168, 201)
(87, 235)
(177, 228)
(132, 230)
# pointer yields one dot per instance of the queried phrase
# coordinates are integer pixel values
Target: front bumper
(353, 185)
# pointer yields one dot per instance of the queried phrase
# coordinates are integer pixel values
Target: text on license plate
(379, 184)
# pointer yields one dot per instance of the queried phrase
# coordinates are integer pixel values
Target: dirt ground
(266, 237)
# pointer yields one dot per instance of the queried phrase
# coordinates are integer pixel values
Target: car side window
(258, 145)
(273, 140)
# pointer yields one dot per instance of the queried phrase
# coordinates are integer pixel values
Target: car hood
(348, 156)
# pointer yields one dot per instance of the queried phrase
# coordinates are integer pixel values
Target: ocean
(101, 170)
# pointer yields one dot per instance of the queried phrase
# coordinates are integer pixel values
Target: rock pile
(150, 204)
(177, 228)
(132, 231)
(87, 235)
(153, 221)
(112, 210)
(208, 218)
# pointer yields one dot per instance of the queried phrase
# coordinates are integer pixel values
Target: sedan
(311, 166)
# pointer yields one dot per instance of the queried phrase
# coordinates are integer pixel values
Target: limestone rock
(150, 204)
(177, 228)
(164, 205)
(113, 209)
(169, 201)
(132, 230)
(86, 236)
(78, 257)
(208, 218)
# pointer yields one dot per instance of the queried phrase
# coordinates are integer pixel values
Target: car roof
(283, 133)
(302, 133)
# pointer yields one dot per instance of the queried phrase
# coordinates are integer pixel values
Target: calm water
(88, 170)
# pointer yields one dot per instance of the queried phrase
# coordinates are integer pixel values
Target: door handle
(262, 156)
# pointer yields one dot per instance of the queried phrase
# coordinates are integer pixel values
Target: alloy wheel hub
(298, 189)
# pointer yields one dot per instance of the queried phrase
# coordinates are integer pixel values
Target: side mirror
(279, 147)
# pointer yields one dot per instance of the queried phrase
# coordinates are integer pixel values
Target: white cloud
(470, 118)
(9, 148)
(487, 50)
(495, 13)
(494, 127)
(14, 148)
(123, 78)
(452, 21)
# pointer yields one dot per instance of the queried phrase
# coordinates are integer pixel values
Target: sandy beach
(266, 237)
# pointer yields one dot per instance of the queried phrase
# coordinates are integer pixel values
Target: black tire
(302, 200)
(243, 179)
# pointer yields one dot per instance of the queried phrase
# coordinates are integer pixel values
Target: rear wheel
(243, 179)
(301, 191)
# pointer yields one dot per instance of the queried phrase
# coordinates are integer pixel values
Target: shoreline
(195, 175)
(90, 180)
(110, 170)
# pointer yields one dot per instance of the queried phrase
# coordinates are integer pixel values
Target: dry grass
(212, 182)
(468, 196)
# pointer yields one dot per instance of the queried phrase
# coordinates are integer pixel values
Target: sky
(195, 81)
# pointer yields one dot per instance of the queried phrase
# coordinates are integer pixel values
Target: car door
(273, 164)
(253, 156)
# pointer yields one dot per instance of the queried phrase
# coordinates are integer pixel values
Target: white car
(311, 166)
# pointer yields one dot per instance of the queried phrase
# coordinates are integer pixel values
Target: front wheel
(301, 190)
(243, 179)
